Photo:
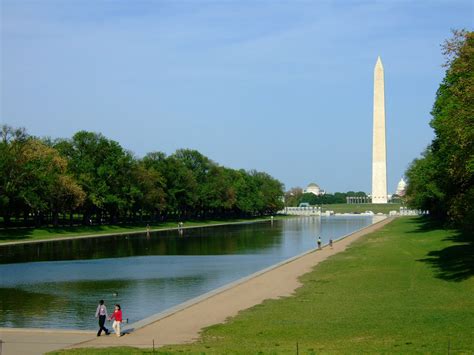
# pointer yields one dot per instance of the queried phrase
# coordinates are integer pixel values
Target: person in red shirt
(117, 317)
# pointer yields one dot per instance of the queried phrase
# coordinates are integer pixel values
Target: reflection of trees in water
(218, 240)
(197, 241)
(32, 305)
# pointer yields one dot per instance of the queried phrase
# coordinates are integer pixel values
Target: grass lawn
(362, 207)
(30, 234)
(407, 288)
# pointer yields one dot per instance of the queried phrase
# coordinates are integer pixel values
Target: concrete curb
(47, 330)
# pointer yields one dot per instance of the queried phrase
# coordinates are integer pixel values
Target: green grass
(407, 288)
(362, 207)
(31, 234)
(118, 350)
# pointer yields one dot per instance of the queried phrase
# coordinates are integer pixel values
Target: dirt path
(184, 324)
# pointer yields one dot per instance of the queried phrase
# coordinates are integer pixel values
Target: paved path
(183, 324)
(38, 341)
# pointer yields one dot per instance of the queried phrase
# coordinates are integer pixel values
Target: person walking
(330, 242)
(101, 313)
(319, 242)
(117, 317)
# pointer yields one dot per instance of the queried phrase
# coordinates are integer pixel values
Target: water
(58, 284)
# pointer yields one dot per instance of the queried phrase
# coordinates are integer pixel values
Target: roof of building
(313, 185)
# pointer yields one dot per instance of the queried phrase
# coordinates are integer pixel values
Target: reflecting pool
(57, 284)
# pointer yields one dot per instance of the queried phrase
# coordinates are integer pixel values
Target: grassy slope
(362, 207)
(27, 234)
(406, 288)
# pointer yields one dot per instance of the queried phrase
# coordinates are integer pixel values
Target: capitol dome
(401, 187)
(313, 189)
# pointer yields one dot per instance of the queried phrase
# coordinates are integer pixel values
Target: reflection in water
(146, 273)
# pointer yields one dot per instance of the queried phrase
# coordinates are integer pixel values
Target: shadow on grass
(454, 262)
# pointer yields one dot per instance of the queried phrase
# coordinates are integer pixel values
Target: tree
(147, 193)
(95, 177)
(103, 169)
(269, 191)
(448, 164)
(293, 196)
(35, 178)
(12, 145)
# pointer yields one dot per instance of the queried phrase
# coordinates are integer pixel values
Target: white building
(401, 187)
(313, 188)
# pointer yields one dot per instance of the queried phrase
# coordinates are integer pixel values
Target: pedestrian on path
(319, 242)
(101, 313)
(330, 243)
(117, 317)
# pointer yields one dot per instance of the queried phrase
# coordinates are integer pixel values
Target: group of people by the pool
(116, 316)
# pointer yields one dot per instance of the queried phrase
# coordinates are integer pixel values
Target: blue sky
(278, 86)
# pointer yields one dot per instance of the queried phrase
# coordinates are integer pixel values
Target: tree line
(91, 179)
(296, 195)
(441, 181)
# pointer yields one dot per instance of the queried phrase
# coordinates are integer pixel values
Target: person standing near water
(319, 242)
(330, 242)
(101, 313)
(117, 317)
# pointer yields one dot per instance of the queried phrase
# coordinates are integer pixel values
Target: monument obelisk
(379, 154)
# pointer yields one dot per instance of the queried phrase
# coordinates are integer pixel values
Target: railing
(302, 211)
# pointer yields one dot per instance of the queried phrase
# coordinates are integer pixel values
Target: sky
(284, 87)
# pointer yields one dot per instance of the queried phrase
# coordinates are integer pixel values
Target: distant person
(319, 242)
(330, 242)
(117, 317)
(148, 230)
(101, 313)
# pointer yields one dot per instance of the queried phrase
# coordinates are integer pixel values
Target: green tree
(12, 144)
(147, 193)
(103, 170)
(442, 180)
(34, 178)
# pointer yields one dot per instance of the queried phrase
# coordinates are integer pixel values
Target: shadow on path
(456, 261)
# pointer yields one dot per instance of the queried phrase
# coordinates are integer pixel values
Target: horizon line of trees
(91, 179)
(296, 195)
(442, 180)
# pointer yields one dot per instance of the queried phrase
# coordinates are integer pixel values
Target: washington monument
(379, 154)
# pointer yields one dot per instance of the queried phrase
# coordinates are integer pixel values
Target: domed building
(401, 187)
(313, 188)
